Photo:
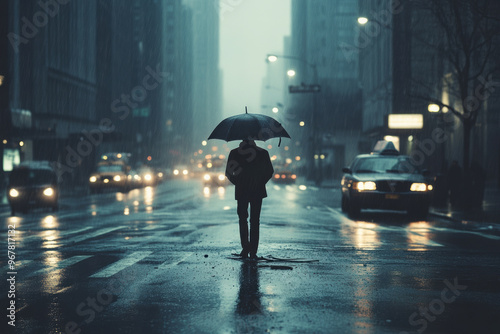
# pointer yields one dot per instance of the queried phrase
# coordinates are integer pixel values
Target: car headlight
(48, 192)
(176, 172)
(160, 174)
(93, 179)
(185, 172)
(222, 177)
(13, 193)
(137, 177)
(206, 177)
(420, 187)
(147, 177)
(117, 178)
(363, 186)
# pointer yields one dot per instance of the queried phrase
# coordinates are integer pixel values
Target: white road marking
(120, 265)
(61, 264)
(54, 234)
(18, 264)
(93, 234)
(168, 264)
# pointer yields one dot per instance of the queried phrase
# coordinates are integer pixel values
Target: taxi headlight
(147, 177)
(185, 172)
(48, 192)
(93, 179)
(222, 177)
(176, 172)
(206, 177)
(364, 186)
(13, 193)
(419, 187)
(117, 178)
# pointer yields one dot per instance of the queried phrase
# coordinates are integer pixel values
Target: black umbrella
(249, 126)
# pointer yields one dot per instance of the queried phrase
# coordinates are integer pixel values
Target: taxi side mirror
(347, 170)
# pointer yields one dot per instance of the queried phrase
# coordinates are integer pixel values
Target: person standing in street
(249, 168)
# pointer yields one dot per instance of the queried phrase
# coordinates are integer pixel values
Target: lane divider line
(118, 266)
(92, 235)
(61, 264)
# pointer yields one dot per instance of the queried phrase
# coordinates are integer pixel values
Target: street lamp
(362, 20)
(315, 88)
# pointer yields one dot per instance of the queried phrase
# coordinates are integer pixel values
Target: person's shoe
(244, 254)
(253, 256)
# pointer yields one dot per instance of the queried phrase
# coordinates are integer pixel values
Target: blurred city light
(362, 20)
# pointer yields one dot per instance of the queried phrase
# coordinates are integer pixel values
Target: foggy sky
(249, 30)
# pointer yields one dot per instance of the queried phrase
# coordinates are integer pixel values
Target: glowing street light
(272, 58)
(433, 107)
(362, 20)
(275, 110)
(291, 73)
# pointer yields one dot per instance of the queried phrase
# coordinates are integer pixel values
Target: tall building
(88, 77)
(51, 82)
(404, 74)
(207, 92)
(320, 30)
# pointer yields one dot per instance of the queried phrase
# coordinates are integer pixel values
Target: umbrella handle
(279, 142)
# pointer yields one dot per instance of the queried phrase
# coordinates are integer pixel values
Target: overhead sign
(304, 89)
(405, 121)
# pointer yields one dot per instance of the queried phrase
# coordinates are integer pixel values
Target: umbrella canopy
(248, 126)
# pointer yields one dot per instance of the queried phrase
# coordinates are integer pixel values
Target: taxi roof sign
(385, 147)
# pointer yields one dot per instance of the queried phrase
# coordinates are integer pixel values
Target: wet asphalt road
(157, 260)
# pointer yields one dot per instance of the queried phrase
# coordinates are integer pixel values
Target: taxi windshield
(384, 165)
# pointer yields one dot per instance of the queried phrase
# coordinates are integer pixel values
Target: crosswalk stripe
(168, 264)
(61, 264)
(54, 233)
(93, 234)
(18, 265)
(120, 265)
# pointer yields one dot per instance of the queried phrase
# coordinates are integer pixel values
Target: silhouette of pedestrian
(249, 168)
(454, 183)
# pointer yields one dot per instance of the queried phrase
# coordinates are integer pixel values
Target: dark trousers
(255, 207)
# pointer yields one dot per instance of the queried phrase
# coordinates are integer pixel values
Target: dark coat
(249, 168)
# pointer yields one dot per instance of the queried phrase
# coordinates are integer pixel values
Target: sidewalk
(490, 212)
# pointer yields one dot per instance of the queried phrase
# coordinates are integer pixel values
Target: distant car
(285, 177)
(112, 175)
(387, 180)
(32, 184)
(215, 178)
(181, 171)
(148, 176)
(134, 178)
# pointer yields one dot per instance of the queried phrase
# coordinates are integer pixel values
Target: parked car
(387, 180)
(32, 184)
